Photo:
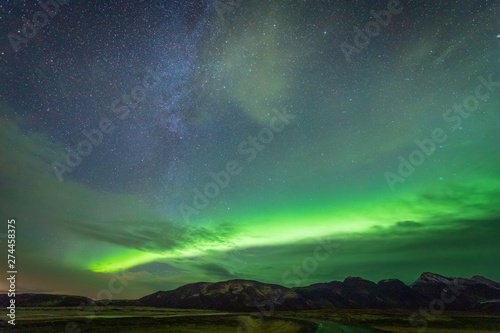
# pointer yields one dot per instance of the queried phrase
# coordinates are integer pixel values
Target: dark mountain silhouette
(233, 295)
(356, 292)
(459, 293)
(45, 300)
(477, 293)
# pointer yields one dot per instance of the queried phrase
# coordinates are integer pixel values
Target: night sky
(289, 142)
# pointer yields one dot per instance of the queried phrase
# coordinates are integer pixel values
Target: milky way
(186, 141)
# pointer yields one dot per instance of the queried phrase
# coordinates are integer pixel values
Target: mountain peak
(429, 277)
(355, 279)
(486, 281)
(391, 282)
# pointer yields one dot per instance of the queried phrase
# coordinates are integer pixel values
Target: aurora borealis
(228, 139)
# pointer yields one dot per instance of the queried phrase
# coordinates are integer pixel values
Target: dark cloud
(145, 236)
(409, 224)
(150, 236)
(155, 267)
(216, 270)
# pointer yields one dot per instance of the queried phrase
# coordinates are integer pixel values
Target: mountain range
(429, 290)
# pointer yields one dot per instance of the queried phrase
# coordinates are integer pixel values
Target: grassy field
(394, 320)
(150, 320)
(209, 324)
(136, 319)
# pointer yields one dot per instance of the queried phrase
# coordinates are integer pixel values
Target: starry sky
(289, 142)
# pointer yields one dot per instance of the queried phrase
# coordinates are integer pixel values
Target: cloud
(216, 270)
(408, 224)
(156, 237)
(156, 267)
(140, 235)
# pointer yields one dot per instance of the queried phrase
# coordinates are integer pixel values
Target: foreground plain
(153, 320)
